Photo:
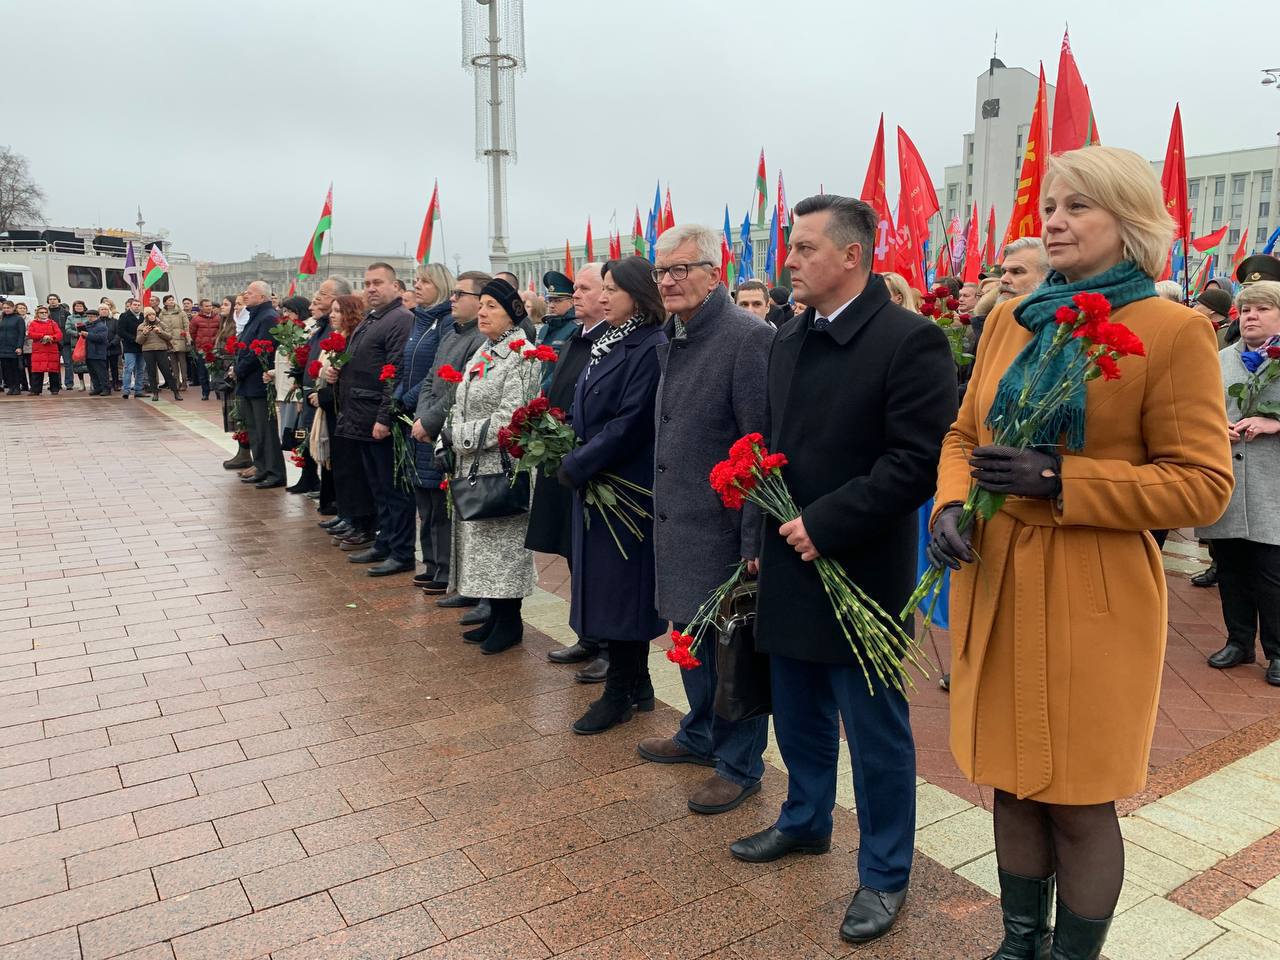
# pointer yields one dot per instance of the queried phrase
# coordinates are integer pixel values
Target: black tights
(1081, 845)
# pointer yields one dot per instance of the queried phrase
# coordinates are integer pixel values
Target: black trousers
(395, 505)
(37, 382)
(159, 359)
(355, 500)
(201, 371)
(113, 370)
(264, 438)
(98, 376)
(328, 497)
(10, 368)
(1249, 585)
(435, 530)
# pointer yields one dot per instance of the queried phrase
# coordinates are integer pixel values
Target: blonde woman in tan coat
(1058, 632)
(177, 325)
(156, 342)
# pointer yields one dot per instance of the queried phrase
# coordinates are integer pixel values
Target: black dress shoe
(478, 614)
(1206, 578)
(593, 672)
(422, 579)
(256, 478)
(871, 914)
(331, 523)
(269, 484)
(456, 600)
(1273, 673)
(575, 654)
(768, 845)
(372, 555)
(1231, 655)
(435, 588)
(342, 530)
(356, 541)
(388, 567)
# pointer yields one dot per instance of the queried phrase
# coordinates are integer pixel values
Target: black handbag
(490, 496)
(743, 684)
(291, 432)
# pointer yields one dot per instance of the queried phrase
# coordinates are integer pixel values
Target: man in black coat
(127, 329)
(551, 516)
(364, 415)
(251, 389)
(861, 393)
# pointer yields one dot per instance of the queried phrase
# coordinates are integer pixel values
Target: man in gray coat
(712, 392)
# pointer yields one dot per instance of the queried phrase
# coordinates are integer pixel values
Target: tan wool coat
(1058, 630)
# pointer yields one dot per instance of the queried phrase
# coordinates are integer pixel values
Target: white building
(219, 280)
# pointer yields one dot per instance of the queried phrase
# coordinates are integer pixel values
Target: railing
(80, 248)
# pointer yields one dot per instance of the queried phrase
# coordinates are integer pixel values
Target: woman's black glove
(949, 547)
(1019, 473)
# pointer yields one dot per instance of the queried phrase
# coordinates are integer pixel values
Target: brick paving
(220, 740)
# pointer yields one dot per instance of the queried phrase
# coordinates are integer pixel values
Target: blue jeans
(133, 374)
(809, 701)
(737, 748)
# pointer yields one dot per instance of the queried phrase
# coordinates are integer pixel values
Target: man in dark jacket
(251, 375)
(561, 322)
(551, 515)
(861, 393)
(96, 336)
(365, 415)
(127, 329)
(711, 393)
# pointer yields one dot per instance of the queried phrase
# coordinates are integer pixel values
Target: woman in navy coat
(613, 414)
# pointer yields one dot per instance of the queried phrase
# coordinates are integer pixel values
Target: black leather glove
(949, 547)
(1019, 473)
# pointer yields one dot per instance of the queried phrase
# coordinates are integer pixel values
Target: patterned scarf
(1123, 284)
(486, 361)
(600, 349)
(681, 329)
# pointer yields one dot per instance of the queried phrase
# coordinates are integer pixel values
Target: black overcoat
(613, 404)
(860, 410)
(550, 517)
(363, 397)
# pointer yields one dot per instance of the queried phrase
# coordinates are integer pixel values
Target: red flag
(762, 187)
(873, 194)
(1092, 136)
(637, 236)
(310, 264)
(590, 247)
(428, 226)
(1173, 181)
(1025, 220)
(942, 266)
(1071, 109)
(916, 204)
(668, 216)
(972, 256)
(1241, 251)
(989, 250)
(1210, 240)
(615, 246)
(782, 235)
(568, 261)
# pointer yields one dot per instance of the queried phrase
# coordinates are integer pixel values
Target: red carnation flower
(233, 345)
(313, 369)
(334, 343)
(517, 344)
(448, 374)
(538, 406)
(209, 356)
(240, 436)
(964, 319)
(928, 309)
(545, 354)
(1273, 352)
(773, 461)
(444, 484)
(388, 372)
(557, 414)
(1093, 305)
(1109, 368)
(952, 303)
(1065, 314)
(297, 459)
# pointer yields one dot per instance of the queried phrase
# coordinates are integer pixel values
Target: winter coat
(95, 338)
(59, 315)
(113, 337)
(363, 398)
(613, 595)
(712, 393)
(72, 327)
(12, 334)
(153, 336)
(551, 516)
(248, 368)
(45, 357)
(1058, 632)
(127, 328)
(1254, 512)
(860, 410)
(309, 385)
(555, 333)
(204, 332)
(177, 325)
(436, 395)
(489, 556)
(416, 365)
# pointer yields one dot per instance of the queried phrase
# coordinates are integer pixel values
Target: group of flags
(143, 281)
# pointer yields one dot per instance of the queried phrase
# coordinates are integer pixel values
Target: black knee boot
(481, 633)
(508, 628)
(616, 705)
(1076, 937)
(1025, 903)
(309, 481)
(241, 460)
(642, 696)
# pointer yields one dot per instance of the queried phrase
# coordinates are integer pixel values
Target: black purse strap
(507, 466)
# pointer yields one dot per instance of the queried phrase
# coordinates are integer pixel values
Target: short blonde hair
(534, 305)
(1169, 290)
(1260, 293)
(897, 283)
(1122, 183)
(440, 276)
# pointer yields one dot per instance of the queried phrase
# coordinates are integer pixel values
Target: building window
(115, 279)
(84, 278)
(1233, 236)
(1266, 183)
(968, 192)
(1237, 211)
(11, 284)
(1264, 209)
(971, 169)
(1237, 185)
(971, 148)
(1193, 190)
(1219, 186)
(1217, 212)
(1262, 235)
(951, 192)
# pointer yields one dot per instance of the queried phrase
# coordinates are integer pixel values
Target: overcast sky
(226, 120)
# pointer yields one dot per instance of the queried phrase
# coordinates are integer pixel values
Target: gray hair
(1034, 244)
(1169, 290)
(440, 278)
(262, 286)
(705, 239)
(340, 286)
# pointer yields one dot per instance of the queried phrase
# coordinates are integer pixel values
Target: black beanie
(507, 297)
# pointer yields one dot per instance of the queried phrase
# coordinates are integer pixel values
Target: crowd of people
(398, 409)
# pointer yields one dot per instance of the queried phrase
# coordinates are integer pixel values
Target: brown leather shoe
(248, 472)
(718, 795)
(666, 750)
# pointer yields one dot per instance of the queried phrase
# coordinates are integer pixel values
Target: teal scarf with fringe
(1123, 284)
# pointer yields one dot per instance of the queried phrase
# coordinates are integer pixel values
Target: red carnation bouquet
(1102, 344)
(449, 374)
(404, 469)
(264, 350)
(879, 644)
(684, 646)
(541, 354)
(291, 337)
(538, 436)
(333, 349)
(940, 307)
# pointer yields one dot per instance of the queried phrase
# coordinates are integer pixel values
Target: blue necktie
(821, 323)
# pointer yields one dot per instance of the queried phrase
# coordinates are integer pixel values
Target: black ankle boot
(508, 627)
(615, 706)
(642, 698)
(481, 633)
(1025, 903)
(309, 481)
(241, 460)
(1077, 938)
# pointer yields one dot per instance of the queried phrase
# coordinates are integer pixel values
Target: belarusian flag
(157, 266)
(1202, 275)
(428, 225)
(310, 264)
(637, 236)
(1241, 251)
(668, 215)
(727, 272)
(1209, 241)
(762, 189)
(590, 247)
(615, 246)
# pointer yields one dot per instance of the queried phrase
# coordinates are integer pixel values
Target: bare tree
(20, 198)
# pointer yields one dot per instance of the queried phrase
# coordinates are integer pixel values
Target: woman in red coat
(46, 355)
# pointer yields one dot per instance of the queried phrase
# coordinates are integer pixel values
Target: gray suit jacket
(436, 396)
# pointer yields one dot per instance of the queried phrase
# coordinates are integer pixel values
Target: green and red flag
(1071, 110)
(762, 191)
(310, 264)
(157, 266)
(615, 245)
(589, 246)
(1210, 241)
(637, 236)
(782, 237)
(1201, 277)
(1091, 136)
(428, 225)
(668, 215)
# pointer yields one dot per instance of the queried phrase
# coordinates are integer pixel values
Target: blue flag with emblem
(771, 254)
(746, 268)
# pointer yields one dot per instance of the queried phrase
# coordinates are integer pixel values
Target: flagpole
(444, 249)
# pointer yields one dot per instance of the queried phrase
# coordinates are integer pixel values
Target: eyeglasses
(678, 271)
(459, 294)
